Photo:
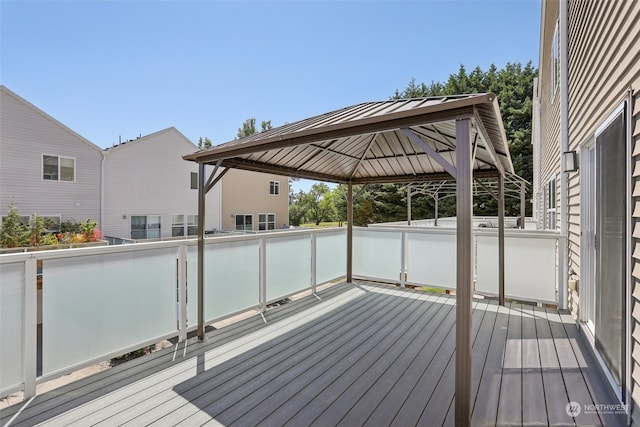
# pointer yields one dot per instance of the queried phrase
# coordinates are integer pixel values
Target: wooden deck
(363, 355)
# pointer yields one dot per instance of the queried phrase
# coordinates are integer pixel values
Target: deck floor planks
(556, 397)
(354, 407)
(386, 410)
(393, 352)
(436, 410)
(397, 337)
(486, 404)
(290, 369)
(202, 392)
(574, 382)
(534, 411)
(510, 403)
(600, 393)
(271, 352)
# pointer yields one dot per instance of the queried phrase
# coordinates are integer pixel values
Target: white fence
(97, 303)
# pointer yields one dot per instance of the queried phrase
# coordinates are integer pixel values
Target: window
(266, 221)
(274, 187)
(177, 225)
(551, 204)
(192, 225)
(55, 168)
(244, 222)
(555, 61)
(194, 180)
(145, 227)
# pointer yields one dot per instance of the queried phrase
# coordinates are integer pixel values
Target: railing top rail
(168, 244)
(415, 230)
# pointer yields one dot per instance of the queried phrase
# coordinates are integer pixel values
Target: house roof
(386, 141)
(141, 139)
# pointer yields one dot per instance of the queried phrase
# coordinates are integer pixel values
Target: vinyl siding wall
(549, 114)
(248, 193)
(148, 176)
(26, 133)
(604, 64)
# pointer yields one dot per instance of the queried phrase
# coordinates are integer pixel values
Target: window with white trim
(58, 168)
(194, 180)
(192, 225)
(177, 225)
(244, 222)
(551, 204)
(51, 223)
(274, 187)
(266, 221)
(145, 227)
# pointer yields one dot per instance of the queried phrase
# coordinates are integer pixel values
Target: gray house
(45, 167)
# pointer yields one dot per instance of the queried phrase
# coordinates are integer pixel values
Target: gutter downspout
(564, 146)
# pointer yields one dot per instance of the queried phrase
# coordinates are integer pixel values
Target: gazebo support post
(501, 240)
(349, 232)
(464, 276)
(201, 213)
(409, 204)
(522, 204)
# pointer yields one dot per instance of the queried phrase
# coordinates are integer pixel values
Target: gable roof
(374, 142)
(6, 91)
(144, 138)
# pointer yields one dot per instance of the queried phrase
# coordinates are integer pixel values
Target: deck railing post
(403, 258)
(30, 326)
(182, 293)
(313, 261)
(262, 273)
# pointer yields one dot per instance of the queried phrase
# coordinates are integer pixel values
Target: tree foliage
(204, 143)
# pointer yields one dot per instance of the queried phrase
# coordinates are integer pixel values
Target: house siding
(26, 133)
(603, 68)
(245, 192)
(148, 176)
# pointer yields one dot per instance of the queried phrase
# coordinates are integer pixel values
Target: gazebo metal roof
(428, 139)
(388, 141)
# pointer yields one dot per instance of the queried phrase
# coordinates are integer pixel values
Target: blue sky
(111, 69)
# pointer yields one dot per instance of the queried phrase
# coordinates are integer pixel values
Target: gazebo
(457, 138)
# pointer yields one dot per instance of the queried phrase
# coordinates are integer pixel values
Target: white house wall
(148, 176)
(26, 133)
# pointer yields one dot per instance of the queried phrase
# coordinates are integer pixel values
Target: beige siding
(148, 176)
(549, 110)
(26, 133)
(604, 65)
(248, 193)
(635, 254)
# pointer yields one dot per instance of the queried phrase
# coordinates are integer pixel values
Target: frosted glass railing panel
(231, 274)
(12, 301)
(376, 254)
(431, 259)
(331, 256)
(530, 267)
(288, 265)
(96, 305)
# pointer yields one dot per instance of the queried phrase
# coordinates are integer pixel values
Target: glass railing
(97, 303)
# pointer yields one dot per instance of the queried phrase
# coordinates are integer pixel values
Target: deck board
(370, 354)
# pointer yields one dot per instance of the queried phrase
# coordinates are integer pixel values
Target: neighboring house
(150, 192)
(45, 167)
(587, 101)
(254, 201)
